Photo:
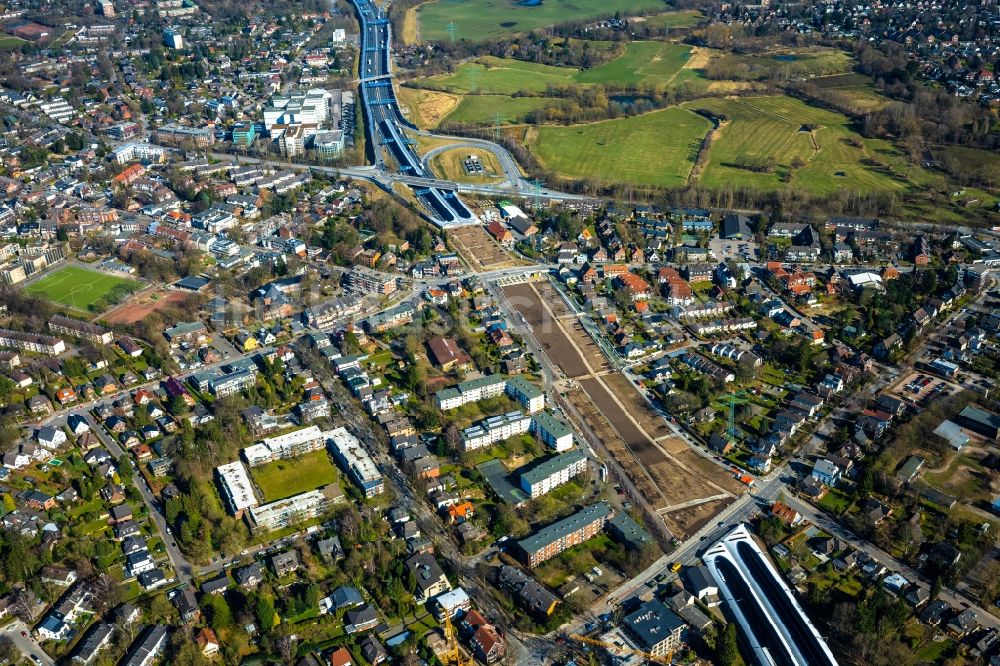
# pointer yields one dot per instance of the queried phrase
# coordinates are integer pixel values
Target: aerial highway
(384, 122)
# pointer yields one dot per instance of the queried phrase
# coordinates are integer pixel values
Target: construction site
(663, 473)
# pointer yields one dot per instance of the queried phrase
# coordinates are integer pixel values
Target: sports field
(478, 20)
(648, 63)
(82, 288)
(814, 149)
(284, 478)
(657, 148)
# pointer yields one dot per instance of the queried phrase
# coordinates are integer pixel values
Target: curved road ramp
(772, 623)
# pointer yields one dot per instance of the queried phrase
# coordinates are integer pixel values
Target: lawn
(620, 151)
(642, 63)
(835, 501)
(10, 42)
(479, 20)
(82, 288)
(284, 478)
(809, 148)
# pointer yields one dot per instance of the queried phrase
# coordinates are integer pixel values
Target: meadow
(484, 109)
(657, 148)
(642, 63)
(82, 288)
(856, 91)
(807, 147)
(668, 20)
(479, 20)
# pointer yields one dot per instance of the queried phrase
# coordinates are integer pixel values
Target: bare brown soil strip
(479, 249)
(142, 308)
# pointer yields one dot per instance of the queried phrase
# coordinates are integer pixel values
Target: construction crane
(618, 650)
(453, 655)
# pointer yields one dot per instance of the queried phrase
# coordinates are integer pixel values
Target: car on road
(35, 659)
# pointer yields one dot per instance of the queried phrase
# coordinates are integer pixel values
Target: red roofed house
(500, 233)
(65, 395)
(500, 338)
(614, 270)
(459, 513)
(638, 289)
(485, 640)
(207, 641)
(340, 657)
(785, 513)
(131, 174)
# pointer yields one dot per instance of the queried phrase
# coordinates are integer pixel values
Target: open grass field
(478, 20)
(649, 63)
(814, 61)
(483, 109)
(77, 287)
(10, 42)
(500, 76)
(855, 90)
(777, 128)
(668, 20)
(284, 478)
(619, 150)
(653, 63)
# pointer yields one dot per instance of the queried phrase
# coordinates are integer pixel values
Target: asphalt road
(26, 644)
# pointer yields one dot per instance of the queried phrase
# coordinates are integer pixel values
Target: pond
(786, 57)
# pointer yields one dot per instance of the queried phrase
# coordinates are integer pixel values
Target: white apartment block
(353, 458)
(472, 390)
(235, 487)
(553, 432)
(552, 473)
(494, 429)
(287, 445)
(138, 151)
(40, 344)
(282, 513)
